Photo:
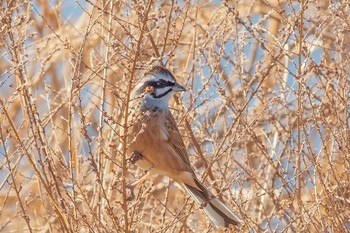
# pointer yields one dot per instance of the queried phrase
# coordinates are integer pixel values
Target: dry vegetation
(266, 120)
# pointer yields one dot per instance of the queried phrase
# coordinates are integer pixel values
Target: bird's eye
(149, 89)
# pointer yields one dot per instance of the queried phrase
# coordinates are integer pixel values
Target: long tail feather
(219, 214)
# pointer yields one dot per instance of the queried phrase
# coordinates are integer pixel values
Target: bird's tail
(219, 214)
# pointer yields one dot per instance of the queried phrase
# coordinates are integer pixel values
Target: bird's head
(156, 88)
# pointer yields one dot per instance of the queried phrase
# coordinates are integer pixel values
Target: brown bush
(266, 120)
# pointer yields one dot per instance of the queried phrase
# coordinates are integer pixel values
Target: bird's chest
(149, 133)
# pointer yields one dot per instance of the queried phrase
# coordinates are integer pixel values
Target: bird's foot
(130, 195)
(135, 156)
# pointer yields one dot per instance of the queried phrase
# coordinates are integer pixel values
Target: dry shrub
(266, 120)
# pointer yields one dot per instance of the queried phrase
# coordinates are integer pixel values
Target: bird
(157, 145)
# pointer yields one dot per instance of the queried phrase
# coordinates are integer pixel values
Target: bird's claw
(131, 195)
(135, 156)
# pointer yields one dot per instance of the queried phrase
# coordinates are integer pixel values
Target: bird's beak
(177, 87)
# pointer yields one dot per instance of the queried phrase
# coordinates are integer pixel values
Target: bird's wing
(175, 139)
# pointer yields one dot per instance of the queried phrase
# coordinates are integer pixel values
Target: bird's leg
(136, 156)
(139, 181)
(133, 185)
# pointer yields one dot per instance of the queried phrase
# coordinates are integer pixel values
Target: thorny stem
(75, 83)
(100, 159)
(299, 97)
(126, 116)
(168, 27)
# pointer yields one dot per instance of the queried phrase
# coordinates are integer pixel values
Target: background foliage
(266, 118)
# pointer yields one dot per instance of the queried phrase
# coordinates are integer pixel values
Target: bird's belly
(152, 143)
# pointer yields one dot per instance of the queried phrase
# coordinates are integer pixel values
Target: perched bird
(157, 146)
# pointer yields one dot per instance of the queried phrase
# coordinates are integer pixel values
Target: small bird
(157, 146)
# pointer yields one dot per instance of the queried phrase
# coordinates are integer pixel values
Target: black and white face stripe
(154, 94)
(160, 83)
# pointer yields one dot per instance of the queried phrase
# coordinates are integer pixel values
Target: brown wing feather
(175, 139)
